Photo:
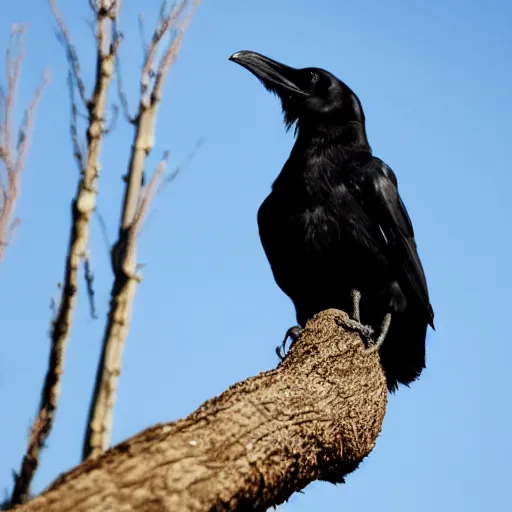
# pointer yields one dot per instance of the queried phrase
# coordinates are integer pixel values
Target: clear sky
(435, 80)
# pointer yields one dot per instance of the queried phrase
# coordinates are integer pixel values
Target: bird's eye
(313, 77)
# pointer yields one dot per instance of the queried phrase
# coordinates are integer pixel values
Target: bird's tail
(403, 352)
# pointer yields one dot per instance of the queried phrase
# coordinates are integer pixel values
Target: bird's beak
(275, 76)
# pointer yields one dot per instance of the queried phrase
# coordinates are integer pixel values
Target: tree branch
(71, 55)
(82, 207)
(178, 169)
(147, 195)
(137, 199)
(315, 417)
(12, 157)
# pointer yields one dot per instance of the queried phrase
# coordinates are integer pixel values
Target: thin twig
(123, 99)
(89, 280)
(172, 49)
(180, 168)
(13, 158)
(148, 193)
(167, 180)
(113, 120)
(104, 230)
(72, 56)
(142, 34)
(165, 22)
(137, 199)
(78, 151)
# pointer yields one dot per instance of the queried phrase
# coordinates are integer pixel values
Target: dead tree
(137, 199)
(314, 417)
(13, 146)
(83, 205)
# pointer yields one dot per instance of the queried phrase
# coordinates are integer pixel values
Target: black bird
(334, 228)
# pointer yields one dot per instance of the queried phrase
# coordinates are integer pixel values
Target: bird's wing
(279, 242)
(268, 241)
(269, 226)
(388, 210)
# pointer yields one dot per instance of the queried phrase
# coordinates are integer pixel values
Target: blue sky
(435, 80)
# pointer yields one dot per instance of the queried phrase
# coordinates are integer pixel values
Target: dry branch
(89, 281)
(314, 417)
(178, 169)
(82, 207)
(136, 202)
(13, 156)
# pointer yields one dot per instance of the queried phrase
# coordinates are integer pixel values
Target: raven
(334, 228)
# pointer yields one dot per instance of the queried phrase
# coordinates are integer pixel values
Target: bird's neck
(317, 158)
(350, 136)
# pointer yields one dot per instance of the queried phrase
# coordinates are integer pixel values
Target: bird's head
(309, 96)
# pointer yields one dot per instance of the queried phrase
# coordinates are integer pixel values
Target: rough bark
(314, 417)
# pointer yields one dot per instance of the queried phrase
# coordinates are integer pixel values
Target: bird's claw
(365, 331)
(293, 333)
(375, 345)
(354, 324)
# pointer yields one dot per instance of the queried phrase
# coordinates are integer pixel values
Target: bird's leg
(293, 333)
(354, 323)
(382, 336)
(356, 300)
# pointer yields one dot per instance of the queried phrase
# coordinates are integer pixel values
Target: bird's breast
(320, 225)
(316, 205)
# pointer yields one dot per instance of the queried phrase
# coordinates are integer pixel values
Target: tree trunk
(315, 417)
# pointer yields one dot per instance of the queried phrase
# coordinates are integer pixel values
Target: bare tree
(13, 154)
(172, 24)
(314, 417)
(88, 161)
(137, 199)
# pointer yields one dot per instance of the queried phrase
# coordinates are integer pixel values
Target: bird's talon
(382, 336)
(352, 325)
(293, 333)
(374, 346)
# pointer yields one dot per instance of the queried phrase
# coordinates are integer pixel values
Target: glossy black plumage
(334, 220)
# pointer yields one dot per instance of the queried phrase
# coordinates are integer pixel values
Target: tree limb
(82, 207)
(137, 199)
(314, 417)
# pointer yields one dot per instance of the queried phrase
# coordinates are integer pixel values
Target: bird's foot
(293, 333)
(375, 345)
(365, 331)
(354, 323)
